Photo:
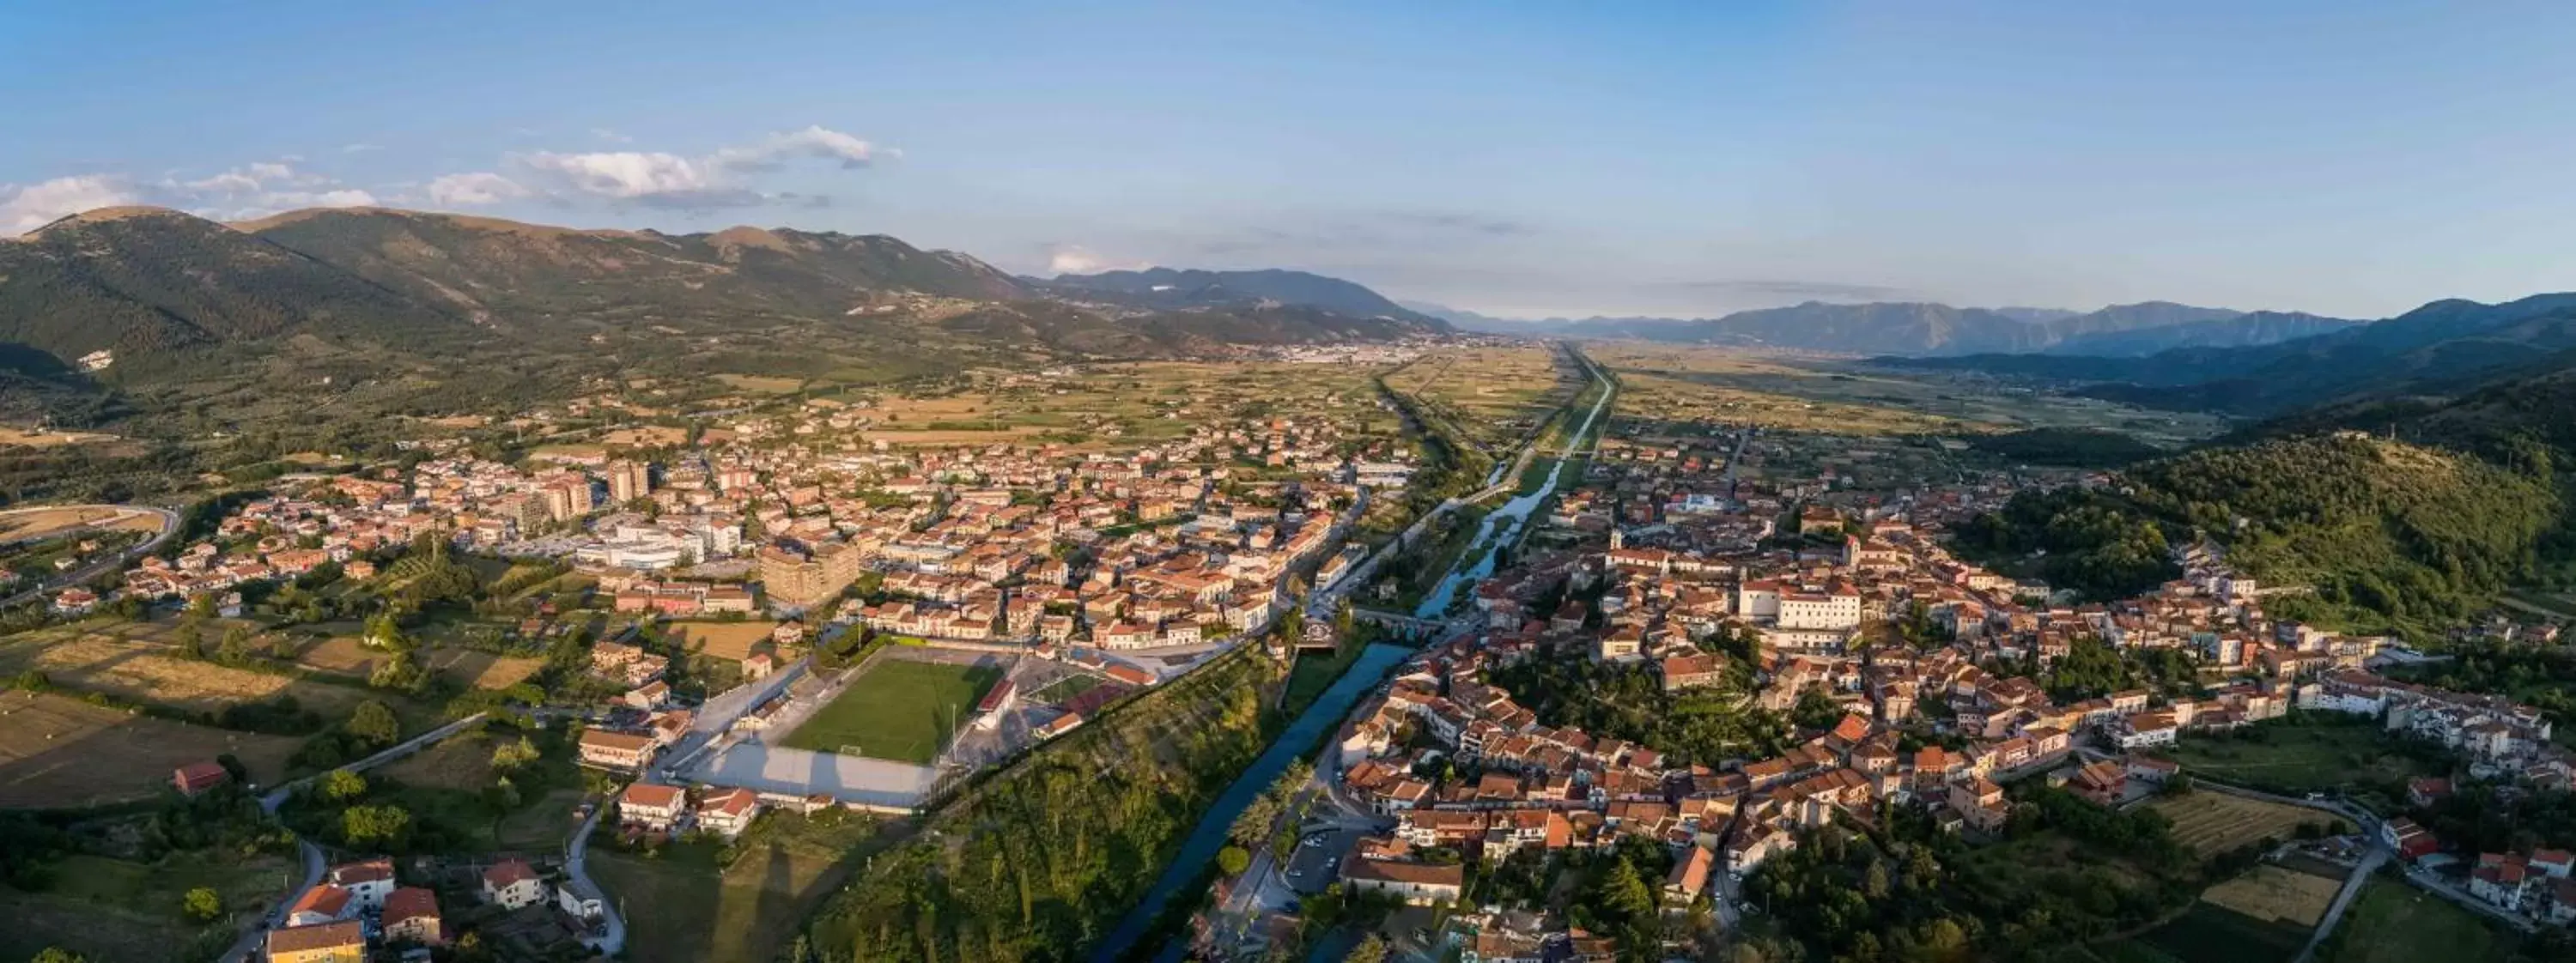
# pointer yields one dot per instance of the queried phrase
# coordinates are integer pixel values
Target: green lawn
(899, 710)
(114, 909)
(2300, 758)
(2393, 923)
(1314, 673)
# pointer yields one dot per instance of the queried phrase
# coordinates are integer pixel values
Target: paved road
(577, 868)
(245, 947)
(2343, 898)
(169, 528)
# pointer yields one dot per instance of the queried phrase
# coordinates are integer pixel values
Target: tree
(341, 785)
(366, 824)
(1233, 860)
(374, 721)
(511, 755)
(1370, 950)
(202, 904)
(236, 645)
(56, 954)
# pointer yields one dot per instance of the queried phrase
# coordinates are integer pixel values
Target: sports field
(904, 711)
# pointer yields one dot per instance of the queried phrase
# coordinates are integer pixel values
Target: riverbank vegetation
(1045, 857)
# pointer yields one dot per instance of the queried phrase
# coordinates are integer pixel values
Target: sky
(1517, 159)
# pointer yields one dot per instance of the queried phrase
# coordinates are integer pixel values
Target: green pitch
(905, 711)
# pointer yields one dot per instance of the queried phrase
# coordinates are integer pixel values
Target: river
(1300, 739)
(1502, 526)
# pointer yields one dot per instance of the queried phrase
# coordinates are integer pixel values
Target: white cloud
(480, 187)
(259, 189)
(360, 148)
(36, 205)
(661, 179)
(813, 142)
(1076, 259)
(604, 133)
(624, 174)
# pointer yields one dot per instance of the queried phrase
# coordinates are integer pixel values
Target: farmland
(2295, 759)
(2277, 893)
(1843, 397)
(2212, 822)
(1088, 407)
(2394, 923)
(57, 751)
(113, 661)
(900, 710)
(684, 908)
(730, 641)
(115, 909)
(1495, 396)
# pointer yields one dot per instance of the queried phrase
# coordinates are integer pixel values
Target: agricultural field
(2392, 922)
(900, 710)
(762, 384)
(1764, 385)
(1666, 396)
(2213, 822)
(57, 751)
(2210, 933)
(684, 908)
(646, 436)
(2299, 759)
(114, 909)
(1110, 406)
(1496, 395)
(11, 436)
(26, 523)
(116, 660)
(2277, 893)
(730, 641)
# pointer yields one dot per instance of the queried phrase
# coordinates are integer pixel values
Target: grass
(905, 711)
(56, 751)
(2393, 923)
(114, 909)
(1064, 689)
(682, 908)
(2212, 822)
(1313, 674)
(2209, 933)
(2299, 759)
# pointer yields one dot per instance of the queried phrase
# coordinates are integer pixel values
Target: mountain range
(1927, 329)
(389, 293)
(2443, 348)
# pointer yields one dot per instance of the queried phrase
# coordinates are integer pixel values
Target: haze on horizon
(1676, 159)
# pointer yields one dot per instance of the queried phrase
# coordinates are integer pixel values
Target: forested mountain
(341, 298)
(2440, 348)
(2243, 330)
(1171, 288)
(2366, 533)
(1926, 329)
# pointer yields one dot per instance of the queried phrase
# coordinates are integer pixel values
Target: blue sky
(1514, 158)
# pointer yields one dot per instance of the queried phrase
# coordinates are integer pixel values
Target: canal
(1197, 852)
(1502, 526)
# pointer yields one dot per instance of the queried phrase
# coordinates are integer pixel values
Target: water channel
(1200, 849)
(1502, 526)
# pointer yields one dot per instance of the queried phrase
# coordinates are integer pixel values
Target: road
(169, 528)
(243, 948)
(2343, 898)
(577, 869)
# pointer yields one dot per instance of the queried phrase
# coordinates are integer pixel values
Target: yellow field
(646, 436)
(723, 640)
(49, 439)
(905, 438)
(59, 751)
(142, 671)
(1496, 394)
(51, 520)
(2274, 893)
(2211, 822)
(762, 384)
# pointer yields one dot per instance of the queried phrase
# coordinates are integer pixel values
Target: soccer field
(904, 711)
